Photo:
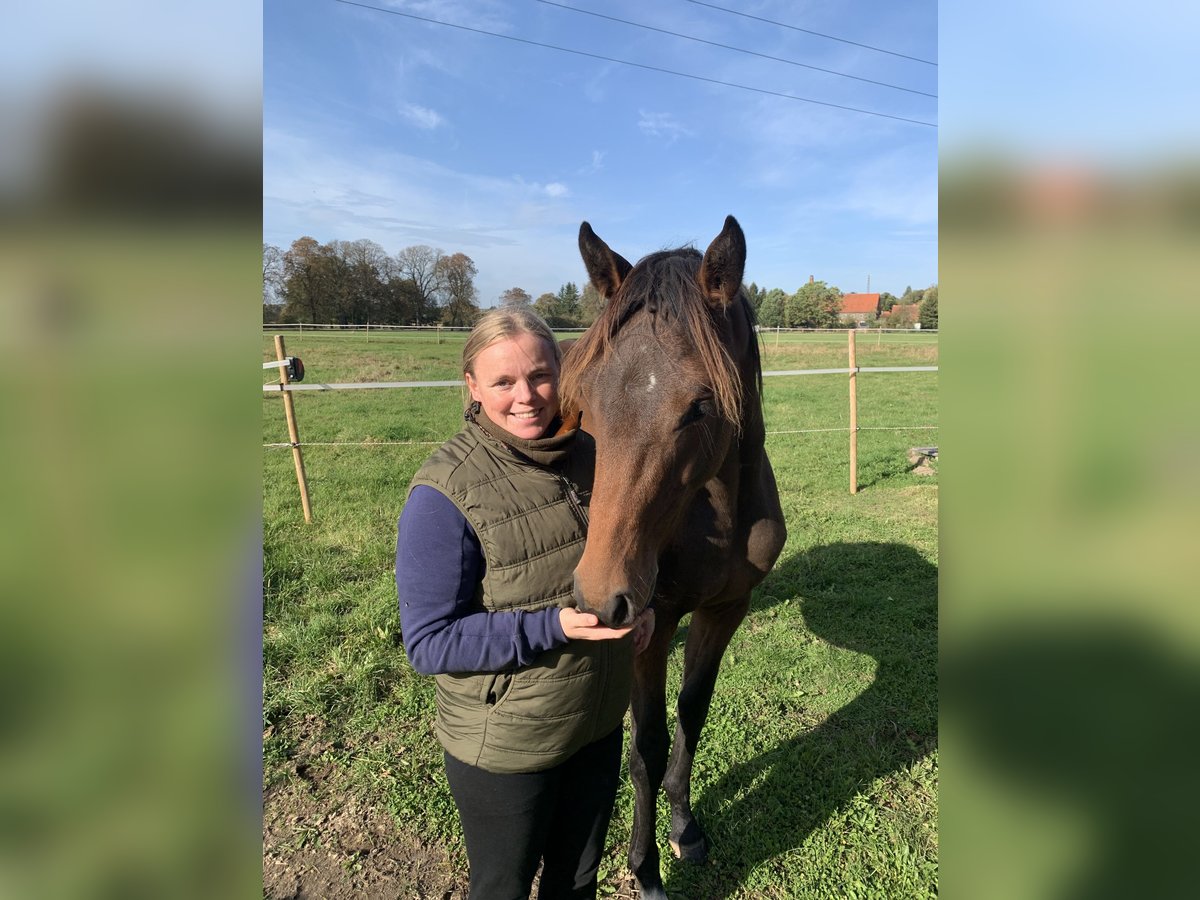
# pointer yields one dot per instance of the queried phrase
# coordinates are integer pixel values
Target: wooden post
(368, 331)
(293, 432)
(853, 416)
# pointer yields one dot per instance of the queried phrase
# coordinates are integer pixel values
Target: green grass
(817, 773)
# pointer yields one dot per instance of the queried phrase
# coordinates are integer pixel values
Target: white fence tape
(842, 430)
(764, 330)
(370, 385)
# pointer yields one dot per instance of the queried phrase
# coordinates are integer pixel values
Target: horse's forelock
(665, 283)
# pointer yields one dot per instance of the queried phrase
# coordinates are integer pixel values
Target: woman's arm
(439, 565)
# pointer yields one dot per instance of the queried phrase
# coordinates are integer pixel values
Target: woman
(531, 693)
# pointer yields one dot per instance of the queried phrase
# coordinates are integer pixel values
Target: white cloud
(595, 165)
(421, 116)
(504, 224)
(663, 125)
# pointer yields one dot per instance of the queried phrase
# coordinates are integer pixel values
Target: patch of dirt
(317, 844)
(322, 842)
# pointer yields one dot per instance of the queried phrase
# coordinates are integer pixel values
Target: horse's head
(660, 382)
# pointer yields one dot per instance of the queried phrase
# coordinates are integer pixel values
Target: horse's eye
(697, 411)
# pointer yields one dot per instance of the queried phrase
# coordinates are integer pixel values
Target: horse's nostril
(619, 611)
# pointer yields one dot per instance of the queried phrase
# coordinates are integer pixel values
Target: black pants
(559, 816)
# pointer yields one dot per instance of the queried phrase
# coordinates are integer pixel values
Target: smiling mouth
(526, 415)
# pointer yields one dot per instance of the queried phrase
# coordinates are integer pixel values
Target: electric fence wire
(687, 37)
(830, 37)
(637, 65)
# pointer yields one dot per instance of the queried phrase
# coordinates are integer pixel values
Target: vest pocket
(497, 688)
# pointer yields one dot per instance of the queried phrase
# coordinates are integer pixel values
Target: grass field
(817, 773)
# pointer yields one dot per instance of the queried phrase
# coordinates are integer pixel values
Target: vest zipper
(576, 503)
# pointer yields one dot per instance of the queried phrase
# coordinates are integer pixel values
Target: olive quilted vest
(527, 502)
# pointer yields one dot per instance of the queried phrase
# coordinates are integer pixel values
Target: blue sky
(1100, 82)
(381, 127)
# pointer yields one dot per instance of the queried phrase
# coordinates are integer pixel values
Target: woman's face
(516, 382)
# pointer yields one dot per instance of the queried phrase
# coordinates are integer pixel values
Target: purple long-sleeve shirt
(439, 564)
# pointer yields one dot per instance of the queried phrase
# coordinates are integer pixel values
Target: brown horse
(684, 510)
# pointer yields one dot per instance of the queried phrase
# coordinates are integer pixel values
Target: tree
(911, 296)
(420, 265)
(457, 279)
(546, 305)
(307, 283)
(814, 305)
(568, 304)
(927, 312)
(362, 263)
(399, 298)
(771, 309)
(561, 310)
(590, 305)
(515, 296)
(272, 274)
(755, 295)
(887, 301)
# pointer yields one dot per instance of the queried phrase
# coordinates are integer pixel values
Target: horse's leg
(648, 755)
(708, 636)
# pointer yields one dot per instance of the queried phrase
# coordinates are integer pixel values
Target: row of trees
(817, 305)
(569, 308)
(356, 282)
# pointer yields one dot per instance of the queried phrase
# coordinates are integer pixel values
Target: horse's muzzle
(618, 610)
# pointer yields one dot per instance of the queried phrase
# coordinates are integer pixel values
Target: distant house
(902, 315)
(859, 308)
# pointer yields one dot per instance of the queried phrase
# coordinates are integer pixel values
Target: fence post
(853, 416)
(293, 432)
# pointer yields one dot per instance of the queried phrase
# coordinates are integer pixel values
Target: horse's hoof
(695, 852)
(652, 892)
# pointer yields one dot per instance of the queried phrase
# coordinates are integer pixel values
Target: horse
(684, 509)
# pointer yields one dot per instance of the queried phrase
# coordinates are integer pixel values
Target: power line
(625, 62)
(817, 33)
(687, 37)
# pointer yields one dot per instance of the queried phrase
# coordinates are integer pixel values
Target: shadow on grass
(873, 598)
(1097, 720)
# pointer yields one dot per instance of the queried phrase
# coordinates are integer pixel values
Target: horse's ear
(724, 264)
(605, 268)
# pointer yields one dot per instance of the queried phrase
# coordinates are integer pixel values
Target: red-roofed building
(859, 308)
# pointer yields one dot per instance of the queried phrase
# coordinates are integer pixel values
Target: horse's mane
(665, 284)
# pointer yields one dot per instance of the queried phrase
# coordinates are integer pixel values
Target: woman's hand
(583, 626)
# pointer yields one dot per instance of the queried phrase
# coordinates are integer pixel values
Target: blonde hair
(502, 323)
